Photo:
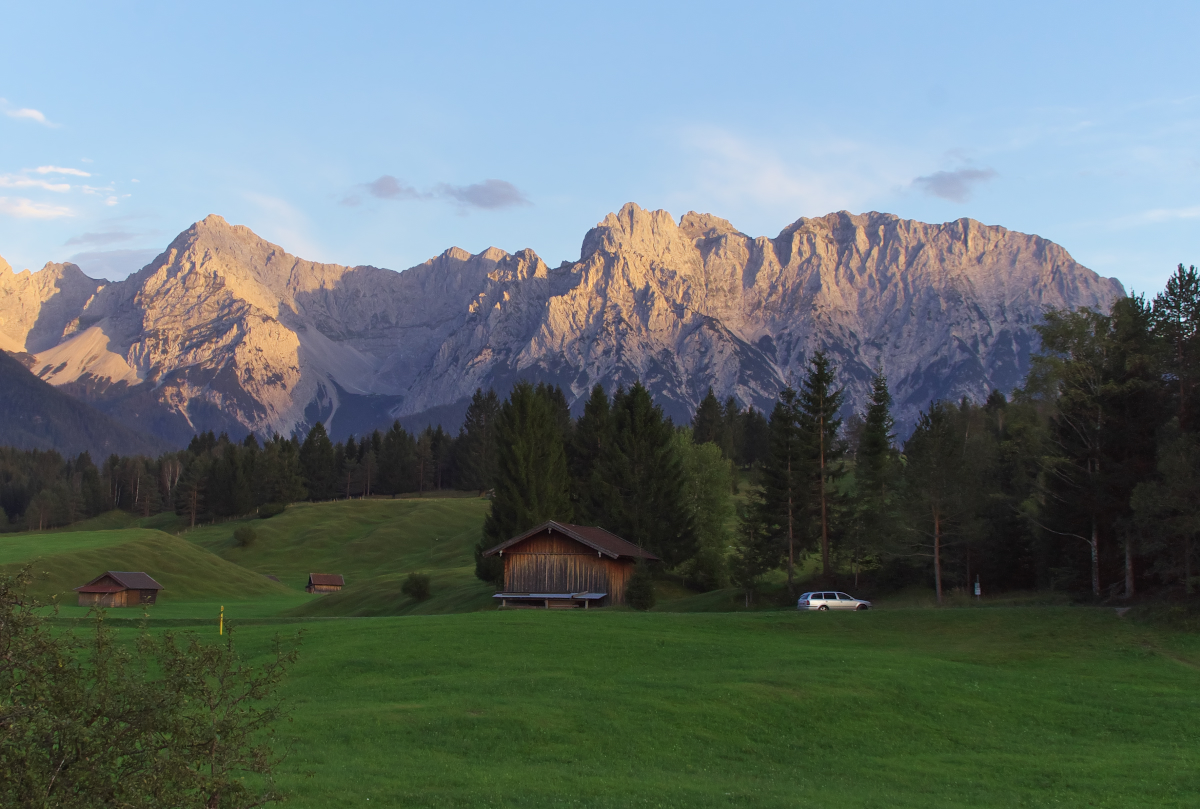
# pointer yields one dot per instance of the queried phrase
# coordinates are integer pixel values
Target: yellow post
(221, 625)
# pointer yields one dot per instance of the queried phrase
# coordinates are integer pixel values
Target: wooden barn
(559, 565)
(324, 583)
(116, 588)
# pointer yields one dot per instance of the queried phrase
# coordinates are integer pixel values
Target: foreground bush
(86, 723)
(639, 592)
(416, 586)
(267, 510)
(244, 536)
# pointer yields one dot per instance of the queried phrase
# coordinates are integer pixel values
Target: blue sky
(364, 133)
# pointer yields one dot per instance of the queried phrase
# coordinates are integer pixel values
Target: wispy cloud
(388, 187)
(812, 175)
(20, 208)
(956, 185)
(285, 224)
(1156, 215)
(99, 239)
(61, 170)
(20, 181)
(490, 194)
(26, 113)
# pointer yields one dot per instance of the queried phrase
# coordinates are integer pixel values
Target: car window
(829, 596)
(844, 597)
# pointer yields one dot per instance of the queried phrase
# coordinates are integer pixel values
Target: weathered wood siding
(323, 588)
(553, 563)
(123, 598)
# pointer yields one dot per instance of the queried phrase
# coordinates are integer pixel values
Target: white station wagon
(831, 601)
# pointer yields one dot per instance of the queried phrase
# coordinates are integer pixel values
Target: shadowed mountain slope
(36, 415)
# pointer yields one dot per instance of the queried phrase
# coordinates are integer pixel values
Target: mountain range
(226, 331)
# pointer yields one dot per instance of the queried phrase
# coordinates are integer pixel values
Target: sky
(384, 133)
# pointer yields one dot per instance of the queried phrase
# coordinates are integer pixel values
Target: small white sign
(977, 590)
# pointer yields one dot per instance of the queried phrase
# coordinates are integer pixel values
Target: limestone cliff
(227, 331)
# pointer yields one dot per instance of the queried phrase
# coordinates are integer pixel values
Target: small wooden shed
(324, 583)
(560, 565)
(117, 588)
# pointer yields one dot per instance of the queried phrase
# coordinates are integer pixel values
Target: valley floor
(449, 702)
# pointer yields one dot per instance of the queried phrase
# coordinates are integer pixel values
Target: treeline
(1087, 478)
(218, 478)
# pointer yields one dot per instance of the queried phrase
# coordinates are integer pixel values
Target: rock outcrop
(226, 331)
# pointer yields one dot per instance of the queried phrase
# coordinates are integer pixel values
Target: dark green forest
(1083, 480)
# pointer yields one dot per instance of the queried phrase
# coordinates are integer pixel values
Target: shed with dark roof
(324, 583)
(118, 588)
(564, 565)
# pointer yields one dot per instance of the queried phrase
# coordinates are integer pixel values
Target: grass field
(913, 708)
(689, 705)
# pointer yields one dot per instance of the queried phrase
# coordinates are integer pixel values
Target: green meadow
(450, 702)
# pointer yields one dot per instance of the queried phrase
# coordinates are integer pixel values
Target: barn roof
(594, 537)
(126, 580)
(326, 580)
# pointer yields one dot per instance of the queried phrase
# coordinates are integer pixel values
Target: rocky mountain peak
(227, 331)
(705, 225)
(5, 267)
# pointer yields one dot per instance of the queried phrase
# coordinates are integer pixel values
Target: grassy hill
(1032, 707)
(63, 561)
(374, 544)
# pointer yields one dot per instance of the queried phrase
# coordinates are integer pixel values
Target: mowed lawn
(911, 708)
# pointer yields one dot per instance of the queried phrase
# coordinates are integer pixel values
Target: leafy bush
(639, 592)
(270, 510)
(416, 586)
(244, 536)
(168, 721)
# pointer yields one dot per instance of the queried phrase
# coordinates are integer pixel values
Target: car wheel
(823, 608)
(861, 608)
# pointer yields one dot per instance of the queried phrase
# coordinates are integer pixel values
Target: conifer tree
(316, 463)
(875, 470)
(589, 441)
(532, 485)
(781, 509)
(640, 480)
(1175, 319)
(707, 423)
(818, 423)
(732, 437)
(476, 442)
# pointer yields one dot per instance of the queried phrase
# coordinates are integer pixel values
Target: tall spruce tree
(872, 513)
(532, 484)
(589, 441)
(640, 481)
(1175, 320)
(316, 463)
(781, 509)
(477, 444)
(707, 423)
(818, 424)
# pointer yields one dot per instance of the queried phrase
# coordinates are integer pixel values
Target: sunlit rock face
(226, 331)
